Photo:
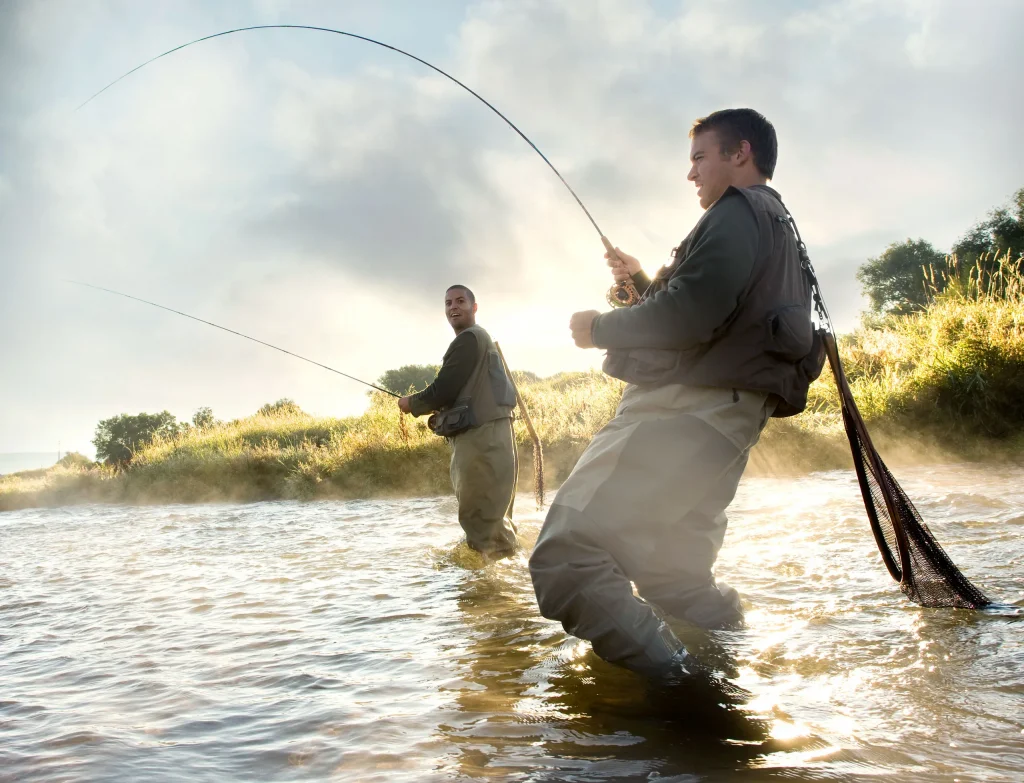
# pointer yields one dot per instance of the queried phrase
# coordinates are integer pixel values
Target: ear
(744, 153)
(474, 308)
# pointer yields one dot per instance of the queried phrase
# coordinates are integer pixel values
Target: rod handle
(620, 294)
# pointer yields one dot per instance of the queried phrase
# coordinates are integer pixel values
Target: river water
(355, 641)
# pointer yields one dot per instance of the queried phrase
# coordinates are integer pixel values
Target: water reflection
(330, 641)
(503, 641)
(530, 698)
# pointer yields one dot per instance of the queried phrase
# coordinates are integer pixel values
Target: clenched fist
(581, 324)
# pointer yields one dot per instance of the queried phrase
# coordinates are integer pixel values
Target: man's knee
(548, 571)
(558, 563)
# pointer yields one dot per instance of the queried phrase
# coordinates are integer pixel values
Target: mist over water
(356, 641)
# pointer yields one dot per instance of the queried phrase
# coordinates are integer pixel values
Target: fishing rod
(619, 295)
(232, 331)
(912, 555)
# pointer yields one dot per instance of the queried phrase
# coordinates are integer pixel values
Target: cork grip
(620, 294)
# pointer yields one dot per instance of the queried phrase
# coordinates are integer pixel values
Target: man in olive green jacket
(473, 398)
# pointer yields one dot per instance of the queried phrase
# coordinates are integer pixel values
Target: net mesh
(914, 558)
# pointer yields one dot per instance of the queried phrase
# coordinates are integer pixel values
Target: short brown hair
(469, 294)
(736, 125)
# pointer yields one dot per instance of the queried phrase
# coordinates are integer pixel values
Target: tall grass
(944, 382)
(958, 365)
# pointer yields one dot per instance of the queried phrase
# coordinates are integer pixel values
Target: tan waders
(645, 505)
(484, 470)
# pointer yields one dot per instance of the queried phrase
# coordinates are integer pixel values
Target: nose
(692, 176)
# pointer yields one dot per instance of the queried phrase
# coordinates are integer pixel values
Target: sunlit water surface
(354, 641)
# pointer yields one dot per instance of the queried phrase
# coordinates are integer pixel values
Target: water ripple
(357, 641)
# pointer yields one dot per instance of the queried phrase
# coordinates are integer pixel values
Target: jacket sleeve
(458, 364)
(642, 281)
(702, 292)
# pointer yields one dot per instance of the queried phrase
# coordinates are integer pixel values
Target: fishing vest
(489, 391)
(767, 344)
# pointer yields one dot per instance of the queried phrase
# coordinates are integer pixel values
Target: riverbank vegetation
(938, 376)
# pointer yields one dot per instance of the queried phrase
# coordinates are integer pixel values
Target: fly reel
(623, 295)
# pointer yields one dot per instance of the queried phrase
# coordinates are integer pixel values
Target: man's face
(711, 170)
(460, 311)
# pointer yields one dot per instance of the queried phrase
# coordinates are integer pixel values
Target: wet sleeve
(702, 292)
(458, 364)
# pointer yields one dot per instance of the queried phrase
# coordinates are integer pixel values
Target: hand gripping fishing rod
(621, 294)
(912, 555)
(232, 331)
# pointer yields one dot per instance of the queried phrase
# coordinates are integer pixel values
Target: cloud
(873, 103)
(320, 193)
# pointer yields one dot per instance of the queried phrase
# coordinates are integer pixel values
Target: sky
(321, 193)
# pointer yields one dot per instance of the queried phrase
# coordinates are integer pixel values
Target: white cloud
(320, 193)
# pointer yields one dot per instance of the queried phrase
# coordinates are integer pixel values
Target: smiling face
(459, 308)
(712, 169)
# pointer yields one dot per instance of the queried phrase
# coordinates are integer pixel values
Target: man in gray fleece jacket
(721, 342)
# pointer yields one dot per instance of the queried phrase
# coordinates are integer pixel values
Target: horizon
(18, 461)
(315, 192)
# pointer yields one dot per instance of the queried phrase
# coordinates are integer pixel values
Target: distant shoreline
(944, 384)
(301, 457)
(17, 461)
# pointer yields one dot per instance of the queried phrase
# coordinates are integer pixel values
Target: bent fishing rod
(620, 295)
(942, 583)
(232, 331)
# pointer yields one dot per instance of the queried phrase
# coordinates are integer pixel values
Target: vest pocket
(501, 385)
(789, 333)
(452, 421)
(643, 365)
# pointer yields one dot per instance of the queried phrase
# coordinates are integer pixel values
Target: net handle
(853, 423)
(853, 419)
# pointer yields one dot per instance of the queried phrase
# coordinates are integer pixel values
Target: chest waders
(484, 464)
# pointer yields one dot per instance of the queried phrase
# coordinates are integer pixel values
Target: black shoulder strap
(805, 264)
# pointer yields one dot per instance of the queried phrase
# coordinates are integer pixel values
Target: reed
(944, 383)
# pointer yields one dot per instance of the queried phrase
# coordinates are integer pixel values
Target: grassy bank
(943, 384)
(295, 455)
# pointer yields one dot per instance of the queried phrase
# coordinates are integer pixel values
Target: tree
(203, 419)
(283, 407)
(1002, 231)
(73, 459)
(118, 438)
(415, 377)
(895, 280)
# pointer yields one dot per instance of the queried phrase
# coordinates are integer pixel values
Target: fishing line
(619, 295)
(232, 331)
(912, 555)
(471, 91)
